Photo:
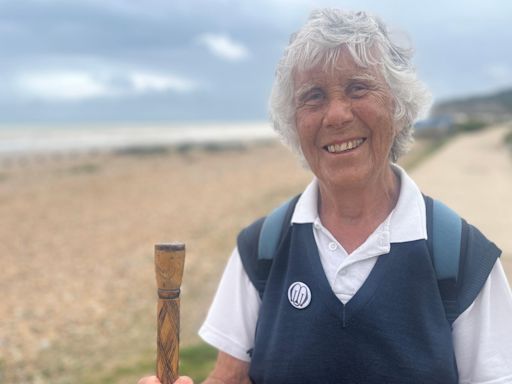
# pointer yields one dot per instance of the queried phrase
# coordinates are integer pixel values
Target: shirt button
(333, 246)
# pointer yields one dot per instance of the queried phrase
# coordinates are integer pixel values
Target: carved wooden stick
(169, 263)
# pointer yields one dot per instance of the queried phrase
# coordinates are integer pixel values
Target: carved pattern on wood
(168, 340)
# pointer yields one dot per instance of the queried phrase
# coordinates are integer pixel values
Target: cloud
(62, 86)
(78, 85)
(149, 82)
(224, 47)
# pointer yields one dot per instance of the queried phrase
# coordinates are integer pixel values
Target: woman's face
(344, 120)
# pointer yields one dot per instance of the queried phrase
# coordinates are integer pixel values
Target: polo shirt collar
(407, 221)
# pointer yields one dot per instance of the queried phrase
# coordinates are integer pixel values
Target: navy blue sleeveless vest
(394, 329)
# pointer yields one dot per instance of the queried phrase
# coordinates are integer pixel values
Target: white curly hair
(368, 40)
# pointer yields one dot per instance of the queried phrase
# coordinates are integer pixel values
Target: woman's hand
(227, 370)
(154, 380)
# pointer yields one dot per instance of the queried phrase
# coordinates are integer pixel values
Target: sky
(214, 60)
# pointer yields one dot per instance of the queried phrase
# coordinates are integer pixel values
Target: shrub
(470, 126)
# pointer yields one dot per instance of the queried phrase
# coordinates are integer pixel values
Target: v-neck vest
(393, 330)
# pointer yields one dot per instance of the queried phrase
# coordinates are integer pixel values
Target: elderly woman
(351, 294)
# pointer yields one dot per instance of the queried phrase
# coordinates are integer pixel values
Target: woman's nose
(338, 112)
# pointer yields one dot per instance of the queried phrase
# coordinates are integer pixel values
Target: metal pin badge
(299, 295)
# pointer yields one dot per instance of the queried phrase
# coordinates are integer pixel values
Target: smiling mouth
(345, 146)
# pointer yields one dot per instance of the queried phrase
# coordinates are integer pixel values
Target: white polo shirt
(482, 335)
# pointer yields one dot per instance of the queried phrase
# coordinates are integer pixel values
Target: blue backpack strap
(272, 229)
(446, 233)
(259, 242)
(444, 228)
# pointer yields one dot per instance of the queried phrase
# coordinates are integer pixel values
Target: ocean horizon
(25, 139)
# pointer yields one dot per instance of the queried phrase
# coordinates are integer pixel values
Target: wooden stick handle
(169, 263)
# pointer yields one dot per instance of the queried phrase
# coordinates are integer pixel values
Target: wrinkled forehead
(338, 62)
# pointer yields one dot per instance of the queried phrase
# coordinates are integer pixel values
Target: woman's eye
(357, 90)
(313, 98)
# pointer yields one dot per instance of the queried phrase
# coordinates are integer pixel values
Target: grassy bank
(507, 139)
(195, 361)
(423, 149)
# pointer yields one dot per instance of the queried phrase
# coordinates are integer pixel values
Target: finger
(149, 380)
(184, 380)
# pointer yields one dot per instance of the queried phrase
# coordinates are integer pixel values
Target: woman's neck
(352, 214)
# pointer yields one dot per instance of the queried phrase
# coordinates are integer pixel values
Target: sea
(40, 139)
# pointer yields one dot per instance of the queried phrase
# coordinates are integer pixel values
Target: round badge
(299, 295)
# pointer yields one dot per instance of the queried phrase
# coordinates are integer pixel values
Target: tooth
(337, 148)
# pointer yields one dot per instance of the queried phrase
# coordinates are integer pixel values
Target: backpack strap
(268, 233)
(273, 228)
(445, 231)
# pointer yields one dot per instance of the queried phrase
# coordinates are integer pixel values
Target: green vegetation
(198, 361)
(1, 370)
(470, 126)
(152, 150)
(84, 168)
(497, 105)
(195, 361)
(420, 153)
(508, 140)
(182, 149)
(221, 147)
(434, 139)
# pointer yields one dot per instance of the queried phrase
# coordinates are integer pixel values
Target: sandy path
(473, 175)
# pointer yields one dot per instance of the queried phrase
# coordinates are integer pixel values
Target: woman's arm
(229, 370)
